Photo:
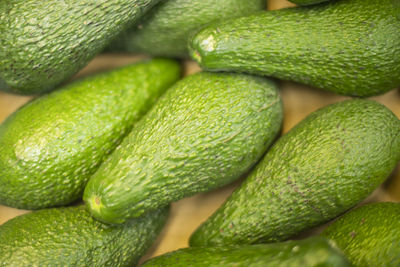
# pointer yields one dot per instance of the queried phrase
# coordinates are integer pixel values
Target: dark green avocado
(204, 132)
(312, 252)
(51, 146)
(43, 43)
(322, 167)
(349, 47)
(369, 235)
(165, 30)
(71, 237)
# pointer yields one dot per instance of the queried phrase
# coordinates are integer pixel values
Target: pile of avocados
(99, 160)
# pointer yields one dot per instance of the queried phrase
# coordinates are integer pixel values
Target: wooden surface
(187, 214)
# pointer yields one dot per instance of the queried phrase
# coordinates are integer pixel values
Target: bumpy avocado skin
(369, 235)
(71, 237)
(307, 2)
(205, 132)
(314, 251)
(165, 30)
(325, 165)
(347, 47)
(50, 147)
(43, 43)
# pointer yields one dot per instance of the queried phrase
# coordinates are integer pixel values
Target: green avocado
(165, 30)
(369, 235)
(71, 237)
(325, 165)
(311, 252)
(43, 43)
(307, 2)
(349, 47)
(50, 147)
(204, 132)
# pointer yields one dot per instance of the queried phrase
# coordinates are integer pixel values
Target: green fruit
(315, 251)
(50, 147)
(43, 43)
(165, 30)
(369, 235)
(325, 165)
(307, 2)
(205, 132)
(348, 47)
(71, 237)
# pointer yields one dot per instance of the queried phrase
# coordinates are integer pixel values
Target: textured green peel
(43, 43)
(325, 165)
(346, 47)
(369, 235)
(51, 146)
(312, 252)
(204, 132)
(71, 237)
(165, 30)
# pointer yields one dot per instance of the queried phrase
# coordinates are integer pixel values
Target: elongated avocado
(347, 47)
(307, 2)
(165, 30)
(325, 165)
(50, 147)
(369, 235)
(43, 43)
(71, 237)
(314, 251)
(205, 132)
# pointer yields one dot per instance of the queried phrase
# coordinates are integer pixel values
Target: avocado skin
(166, 29)
(325, 165)
(43, 43)
(50, 147)
(314, 251)
(206, 131)
(307, 2)
(71, 237)
(346, 47)
(369, 235)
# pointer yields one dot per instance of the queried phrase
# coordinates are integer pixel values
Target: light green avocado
(349, 47)
(307, 2)
(205, 132)
(369, 235)
(71, 237)
(165, 30)
(312, 252)
(43, 43)
(322, 167)
(51, 146)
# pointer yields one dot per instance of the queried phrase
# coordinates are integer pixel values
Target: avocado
(307, 2)
(369, 235)
(322, 167)
(204, 132)
(346, 47)
(69, 236)
(50, 147)
(43, 43)
(165, 30)
(314, 251)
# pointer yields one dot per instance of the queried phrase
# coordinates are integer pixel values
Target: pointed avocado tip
(99, 211)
